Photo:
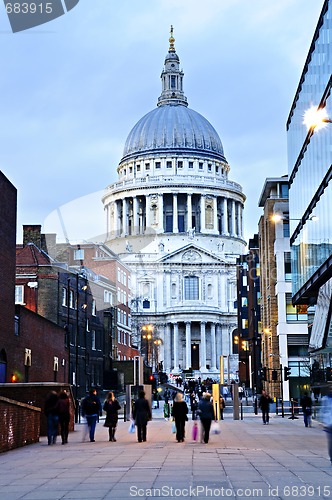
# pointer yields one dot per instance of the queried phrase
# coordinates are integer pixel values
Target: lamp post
(147, 336)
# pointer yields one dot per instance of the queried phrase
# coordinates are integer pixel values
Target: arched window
(209, 216)
(191, 288)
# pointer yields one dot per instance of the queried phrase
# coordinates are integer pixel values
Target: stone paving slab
(246, 460)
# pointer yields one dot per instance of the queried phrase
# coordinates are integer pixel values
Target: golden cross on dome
(171, 42)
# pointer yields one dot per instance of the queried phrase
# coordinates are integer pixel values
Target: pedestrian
(111, 407)
(306, 403)
(51, 410)
(141, 414)
(222, 405)
(64, 415)
(206, 415)
(264, 404)
(91, 409)
(179, 413)
(326, 418)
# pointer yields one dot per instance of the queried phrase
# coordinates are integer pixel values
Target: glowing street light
(316, 118)
(277, 217)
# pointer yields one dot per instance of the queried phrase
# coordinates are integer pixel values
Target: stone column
(161, 214)
(215, 214)
(167, 348)
(233, 218)
(124, 217)
(203, 228)
(188, 345)
(175, 213)
(147, 214)
(176, 346)
(189, 212)
(213, 347)
(135, 216)
(225, 217)
(203, 346)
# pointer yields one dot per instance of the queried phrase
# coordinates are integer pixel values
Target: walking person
(141, 414)
(222, 405)
(306, 404)
(64, 416)
(51, 410)
(179, 413)
(326, 418)
(206, 415)
(91, 409)
(264, 404)
(111, 407)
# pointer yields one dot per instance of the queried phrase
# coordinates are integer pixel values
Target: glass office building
(310, 171)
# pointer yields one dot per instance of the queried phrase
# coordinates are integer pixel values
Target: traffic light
(274, 375)
(152, 381)
(13, 377)
(287, 372)
(264, 373)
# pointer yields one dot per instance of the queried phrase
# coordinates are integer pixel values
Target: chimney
(32, 234)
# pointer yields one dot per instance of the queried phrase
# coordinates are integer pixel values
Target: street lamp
(277, 217)
(316, 118)
(147, 336)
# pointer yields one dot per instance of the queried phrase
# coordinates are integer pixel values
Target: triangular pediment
(192, 254)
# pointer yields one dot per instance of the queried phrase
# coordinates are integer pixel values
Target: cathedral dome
(173, 129)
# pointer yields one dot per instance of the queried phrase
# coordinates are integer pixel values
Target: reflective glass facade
(309, 161)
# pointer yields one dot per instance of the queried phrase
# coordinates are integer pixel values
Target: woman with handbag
(179, 413)
(111, 407)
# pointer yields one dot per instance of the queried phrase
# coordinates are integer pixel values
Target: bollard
(241, 408)
(125, 412)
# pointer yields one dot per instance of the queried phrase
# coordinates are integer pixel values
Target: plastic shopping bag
(131, 428)
(173, 427)
(215, 428)
(195, 431)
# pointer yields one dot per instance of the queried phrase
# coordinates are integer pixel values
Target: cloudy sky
(72, 89)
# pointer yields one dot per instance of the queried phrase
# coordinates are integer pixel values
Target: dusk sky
(72, 89)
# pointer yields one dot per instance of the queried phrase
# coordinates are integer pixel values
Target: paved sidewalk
(247, 460)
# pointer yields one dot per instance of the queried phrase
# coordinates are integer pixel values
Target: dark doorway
(195, 356)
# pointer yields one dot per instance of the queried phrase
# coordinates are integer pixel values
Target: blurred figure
(141, 415)
(206, 415)
(111, 407)
(326, 418)
(222, 405)
(91, 409)
(306, 403)
(179, 413)
(64, 416)
(264, 404)
(51, 410)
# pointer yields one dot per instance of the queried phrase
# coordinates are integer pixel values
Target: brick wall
(20, 424)
(35, 394)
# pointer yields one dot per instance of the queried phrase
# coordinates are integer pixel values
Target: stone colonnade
(181, 339)
(175, 213)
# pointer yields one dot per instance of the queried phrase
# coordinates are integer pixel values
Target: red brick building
(8, 203)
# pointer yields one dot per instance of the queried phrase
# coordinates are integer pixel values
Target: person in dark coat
(264, 404)
(179, 413)
(51, 410)
(306, 403)
(111, 407)
(141, 415)
(206, 415)
(64, 416)
(91, 409)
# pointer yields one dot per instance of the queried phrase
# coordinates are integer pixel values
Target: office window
(124, 278)
(93, 340)
(93, 308)
(19, 294)
(191, 288)
(295, 313)
(287, 264)
(285, 224)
